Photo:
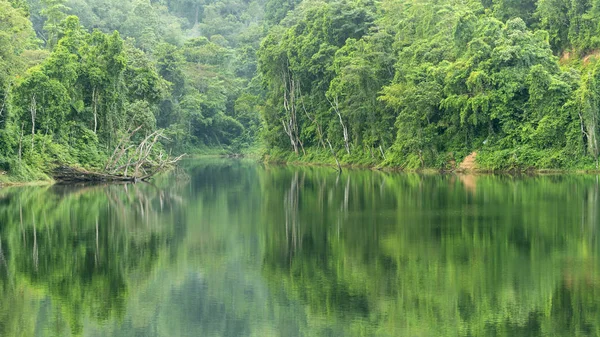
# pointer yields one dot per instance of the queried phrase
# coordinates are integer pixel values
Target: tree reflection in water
(78, 246)
(237, 249)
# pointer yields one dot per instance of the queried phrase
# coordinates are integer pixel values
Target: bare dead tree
(141, 153)
(290, 122)
(336, 107)
(95, 99)
(382, 152)
(121, 148)
(129, 161)
(141, 162)
(589, 125)
(289, 106)
(33, 110)
(163, 163)
(21, 143)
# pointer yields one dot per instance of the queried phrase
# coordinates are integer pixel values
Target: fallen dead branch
(128, 162)
(71, 174)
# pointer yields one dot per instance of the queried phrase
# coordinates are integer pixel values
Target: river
(226, 247)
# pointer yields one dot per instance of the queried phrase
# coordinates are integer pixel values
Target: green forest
(409, 84)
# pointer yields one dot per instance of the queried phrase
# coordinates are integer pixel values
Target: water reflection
(435, 255)
(77, 246)
(231, 248)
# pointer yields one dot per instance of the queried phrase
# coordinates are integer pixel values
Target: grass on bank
(521, 159)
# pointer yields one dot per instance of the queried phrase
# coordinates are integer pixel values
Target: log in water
(67, 174)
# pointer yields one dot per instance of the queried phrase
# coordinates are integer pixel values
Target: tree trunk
(290, 125)
(593, 138)
(95, 98)
(382, 153)
(21, 143)
(334, 156)
(589, 126)
(335, 106)
(4, 99)
(313, 120)
(140, 161)
(33, 110)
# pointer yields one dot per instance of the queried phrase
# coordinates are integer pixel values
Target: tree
(55, 12)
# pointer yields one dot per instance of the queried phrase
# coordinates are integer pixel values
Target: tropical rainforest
(408, 84)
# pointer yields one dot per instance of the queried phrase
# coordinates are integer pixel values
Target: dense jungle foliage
(77, 76)
(415, 84)
(403, 83)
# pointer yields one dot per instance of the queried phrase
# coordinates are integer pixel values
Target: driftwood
(71, 174)
(128, 162)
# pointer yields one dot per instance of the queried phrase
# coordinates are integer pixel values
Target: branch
(162, 165)
(112, 161)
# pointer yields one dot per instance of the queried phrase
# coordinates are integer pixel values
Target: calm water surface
(235, 248)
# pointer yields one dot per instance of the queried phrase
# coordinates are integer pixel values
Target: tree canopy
(416, 84)
(408, 84)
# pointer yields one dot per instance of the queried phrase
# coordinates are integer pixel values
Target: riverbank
(12, 183)
(7, 179)
(468, 166)
(321, 160)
